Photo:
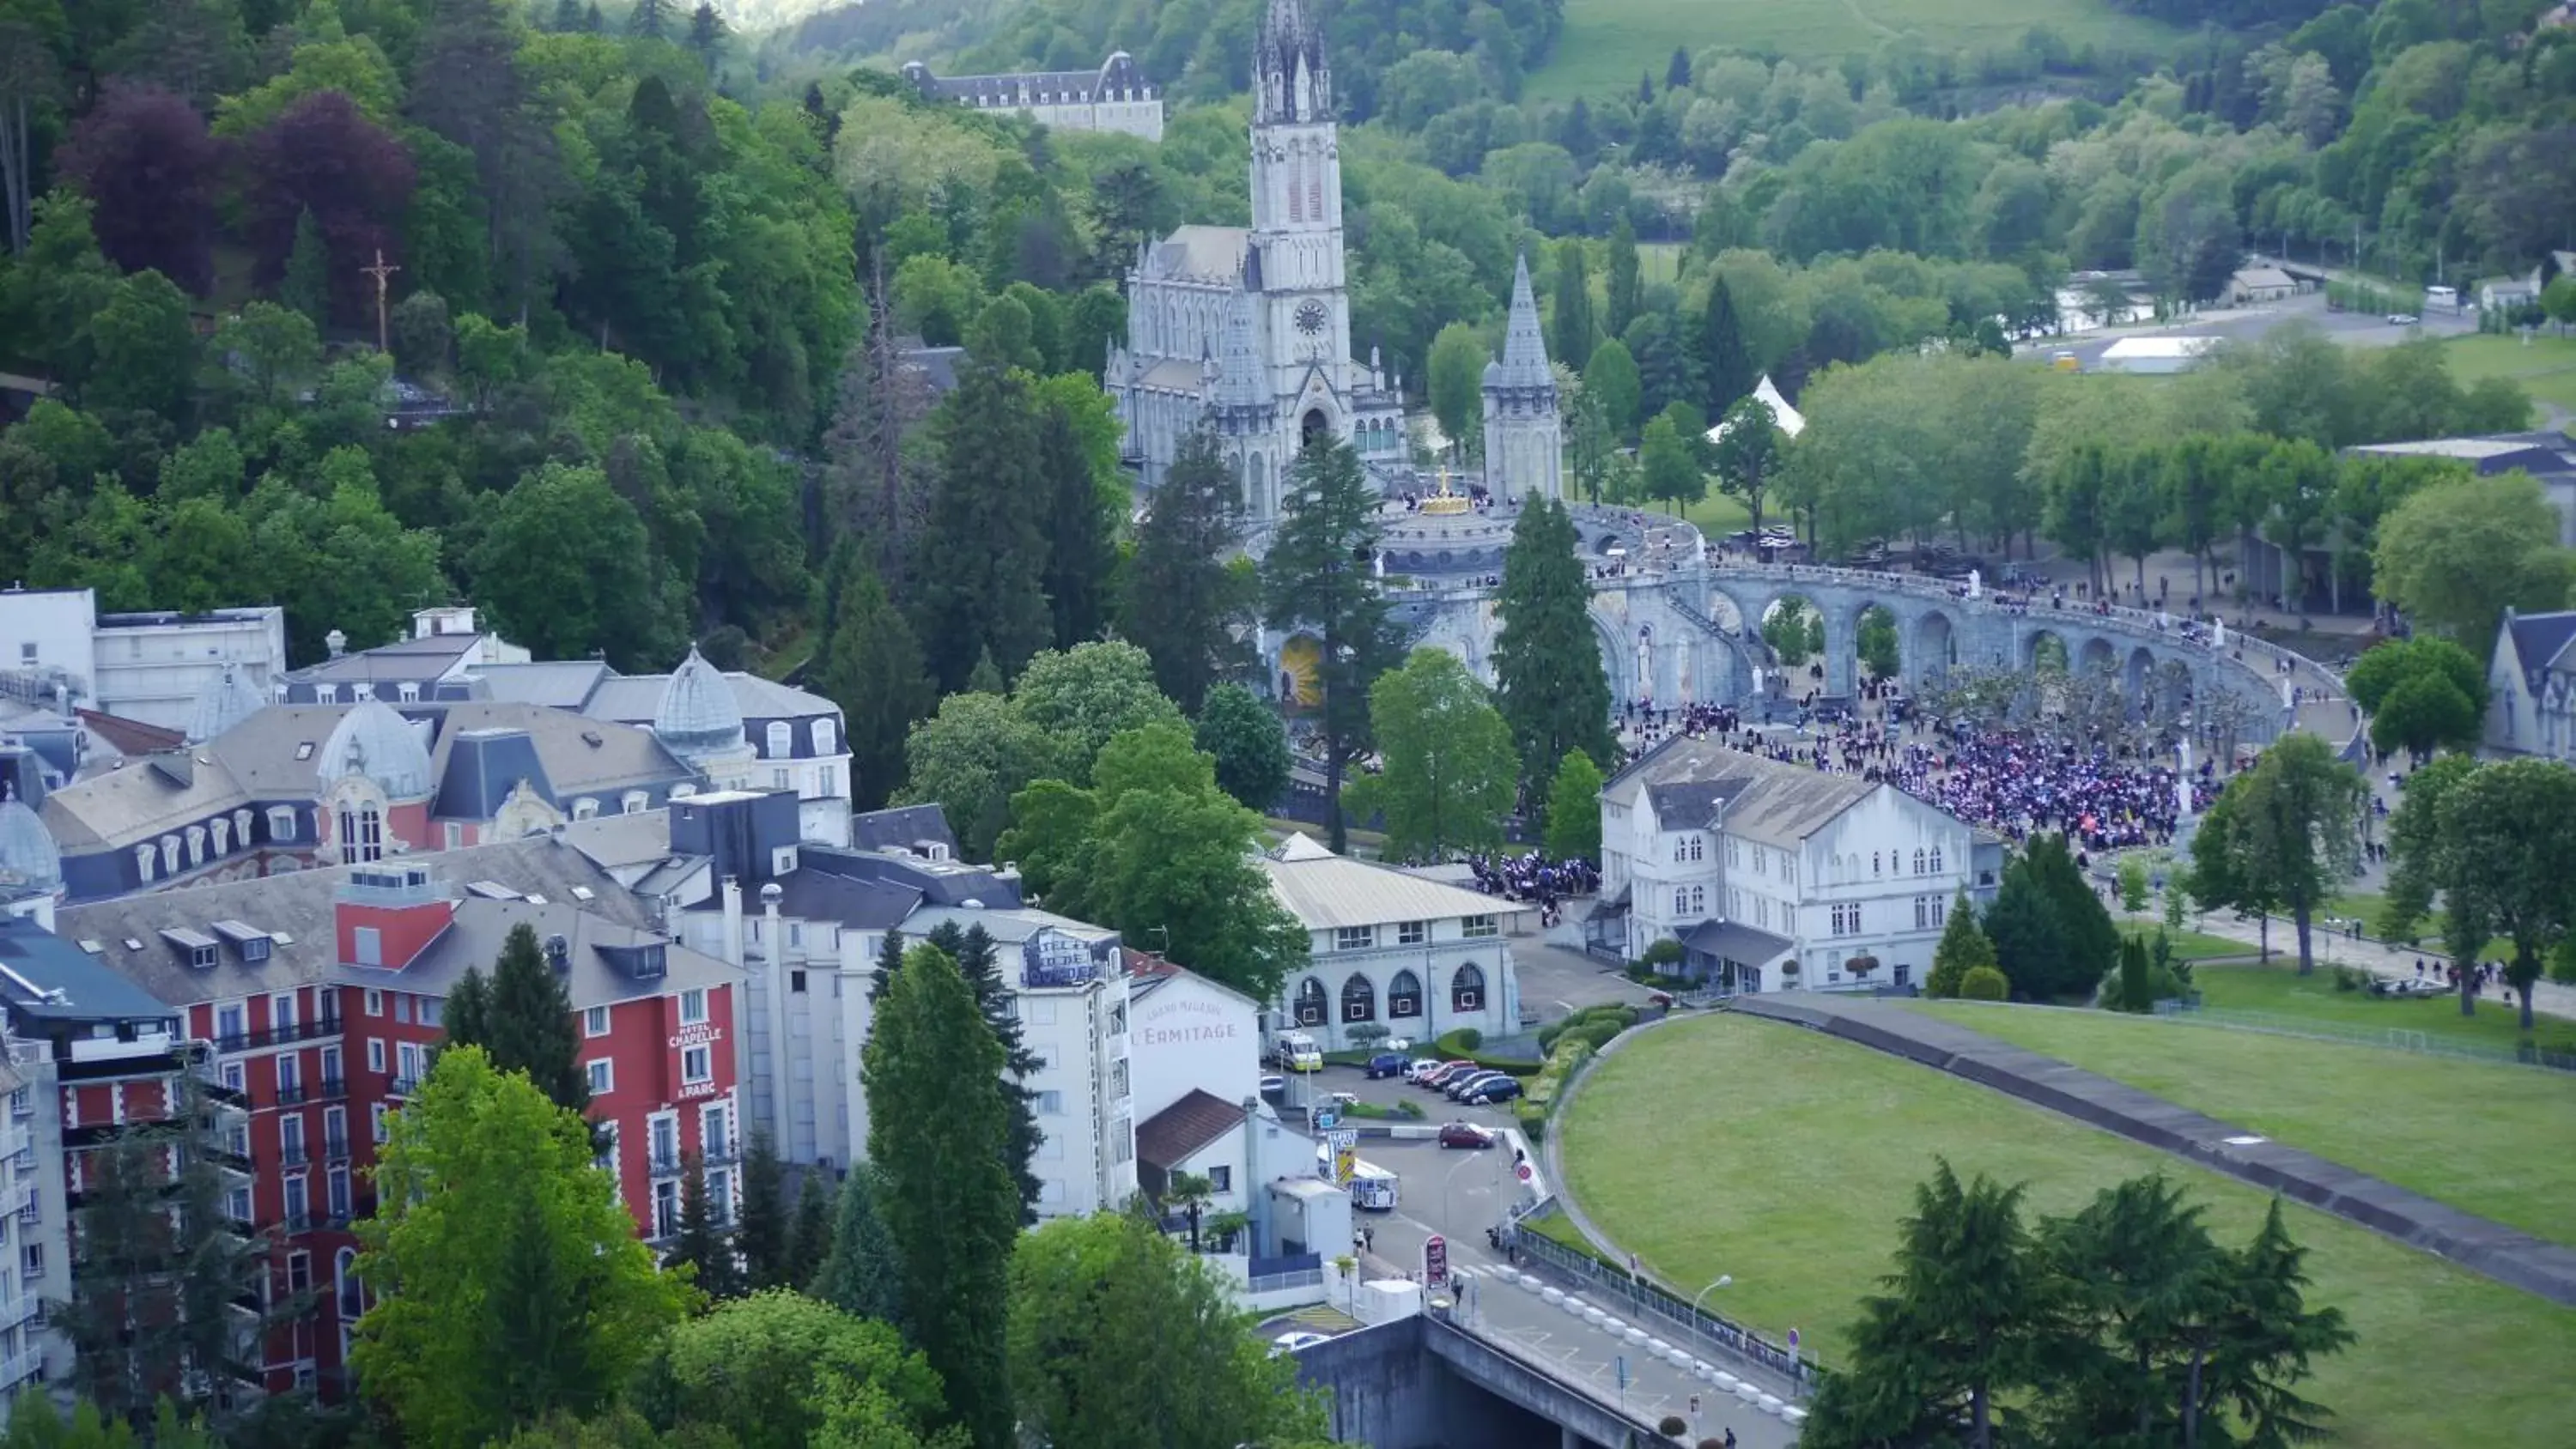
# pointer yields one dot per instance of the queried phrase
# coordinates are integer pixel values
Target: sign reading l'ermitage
(1180, 1021)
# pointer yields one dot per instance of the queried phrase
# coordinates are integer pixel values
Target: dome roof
(697, 714)
(27, 852)
(225, 703)
(372, 740)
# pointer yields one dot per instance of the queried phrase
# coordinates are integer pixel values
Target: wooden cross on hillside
(383, 272)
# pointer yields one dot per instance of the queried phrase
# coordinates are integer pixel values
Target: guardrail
(2394, 1038)
(1645, 1297)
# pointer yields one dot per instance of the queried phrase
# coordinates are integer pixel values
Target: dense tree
(1448, 769)
(1086, 1291)
(1574, 809)
(764, 1372)
(563, 567)
(938, 1134)
(1249, 743)
(870, 665)
(2456, 555)
(1626, 293)
(510, 1283)
(1963, 948)
(982, 557)
(323, 156)
(1570, 325)
(2499, 842)
(1182, 602)
(702, 1248)
(762, 1239)
(142, 350)
(1611, 379)
(1457, 382)
(522, 1018)
(809, 1229)
(1726, 367)
(980, 962)
(1548, 678)
(1749, 454)
(2051, 935)
(1081, 698)
(1081, 556)
(144, 159)
(970, 758)
(1316, 578)
(862, 1275)
(2284, 835)
(1668, 456)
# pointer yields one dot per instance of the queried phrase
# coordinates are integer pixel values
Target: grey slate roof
(1754, 797)
(297, 910)
(1736, 941)
(2540, 639)
(69, 984)
(595, 944)
(899, 827)
(581, 756)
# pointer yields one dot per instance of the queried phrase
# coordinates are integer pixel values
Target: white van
(1298, 1052)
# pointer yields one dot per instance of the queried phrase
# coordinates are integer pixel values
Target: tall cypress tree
(703, 1242)
(981, 557)
(809, 1229)
(1548, 679)
(1080, 556)
(861, 1273)
(1571, 326)
(1725, 364)
(522, 1018)
(939, 1135)
(1318, 578)
(981, 965)
(1182, 601)
(1627, 290)
(763, 1236)
(889, 964)
(871, 667)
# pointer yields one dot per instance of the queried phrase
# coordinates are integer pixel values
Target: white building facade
(1392, 949)
(1752, 865)
(57, 649)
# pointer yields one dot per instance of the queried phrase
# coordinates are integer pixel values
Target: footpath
(2380, 958)
(2481, 1245)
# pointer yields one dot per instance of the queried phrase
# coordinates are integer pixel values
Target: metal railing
(19, 1309)
(242, 1041)
(1280, 1282)
(2392, 1038)
(1644, 1297)
(22, 1367)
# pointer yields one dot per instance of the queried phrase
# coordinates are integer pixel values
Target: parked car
(1467, 1135)
(1456, 1090)
(1502, 1089)
(2403, 319)
(1450, 1073)
(1272, 1086)
(1423, 1070)
(1389, 1064)
(1291, 1342)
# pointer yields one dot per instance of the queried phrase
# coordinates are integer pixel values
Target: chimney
(385, 915)
(336, 642)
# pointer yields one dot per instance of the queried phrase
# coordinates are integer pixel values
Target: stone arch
(1312, 426)
(2174, 687)
(1817, 648)
(1725, 612)
(1874, 625)
(1359, 998)
(1935, 646)
(2096, 655)
(2135, 672)
(2044, 649)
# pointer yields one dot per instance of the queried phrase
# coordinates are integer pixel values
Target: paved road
(2248, 324)
(1459, 1194)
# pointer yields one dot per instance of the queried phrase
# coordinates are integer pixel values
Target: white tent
(1785, 416)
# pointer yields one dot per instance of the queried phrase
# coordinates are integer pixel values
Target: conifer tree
(522, 1018)
(939, 1128)
(1182, 603)
(764, 1235)
(1963, 949)
(1574, 810)
(980, 963)
(889, 962)
(1548, 679)
(809, 1229)
(1627, 291)
(1571, 327)
(980, 563)
(1725, 365)
(650, 19)
(1081, 555)
(871, 667)
(862, 1274)
(703, 1242)
(1317, 579)
(306, 287)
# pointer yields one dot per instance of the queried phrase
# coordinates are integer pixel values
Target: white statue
(2218, 637)
(1377, 563)
(1646, 664)
(1976, 584)
(2182, 787)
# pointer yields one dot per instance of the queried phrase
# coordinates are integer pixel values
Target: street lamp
(1723, 1280)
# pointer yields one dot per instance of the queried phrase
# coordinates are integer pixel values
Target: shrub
(1469, 1037)
(1671, 1426)
(2350, 978)
(1532, 1119)
(1984, 983)
(1666, 952)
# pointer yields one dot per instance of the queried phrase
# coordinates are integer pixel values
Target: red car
(1466, 1134)
(1449, 1072)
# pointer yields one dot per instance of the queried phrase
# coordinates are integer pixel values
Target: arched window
(344, 1273)
(1359, 999)
(1296, 192)
(1873, 863)
(281, 822)
(143, 857)
(1918, 860)
(1699, 900)
(1467, 988)
(782, 739)
(585, 808)
(1681, 900)
(1310, 1002)
(1404, 995)
(169, 855)
(634, 802)
(196, 845)
(1936, 860)
(222, 827)
(362, 834)
(826, 738)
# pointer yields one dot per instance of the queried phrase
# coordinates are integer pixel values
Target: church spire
(1524, 345)
(1291, 82)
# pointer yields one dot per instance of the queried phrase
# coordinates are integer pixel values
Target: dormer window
(782, 739)
(326, 693)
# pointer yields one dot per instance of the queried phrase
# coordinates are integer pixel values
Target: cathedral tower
(1524, 438)
(1297, 222)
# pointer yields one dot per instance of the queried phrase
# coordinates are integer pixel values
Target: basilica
(1246, 331)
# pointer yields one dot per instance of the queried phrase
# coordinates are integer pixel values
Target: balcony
(229, 1042)
(336, 1148)
(297, 1220)
(20, 1309)
(293, 1154)
(293, 1094)
(666, 1164)
(402, 1086)
(722, 1154)
(15, 1138)
(17, 1370)
(331, 1089)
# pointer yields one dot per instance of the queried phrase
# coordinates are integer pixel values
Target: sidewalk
(2548, 998)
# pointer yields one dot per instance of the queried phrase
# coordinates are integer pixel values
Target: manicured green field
(1783, 1157)
(1720, 514)
(2546, 368)
(1607, 42)
(2280, 988)
(2398, 1115)
(2187, 945)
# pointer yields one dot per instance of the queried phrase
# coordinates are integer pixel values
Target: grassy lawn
(2280, 988)
(1784, 1157)
(1660, 261)
(2546, 369)
(1607, 42)
(2187, 945)
(1720, 514)
(2414, 1132)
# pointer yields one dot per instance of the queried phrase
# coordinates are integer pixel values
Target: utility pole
(383, 272)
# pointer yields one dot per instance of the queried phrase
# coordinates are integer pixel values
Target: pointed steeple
(1524, 345)
(1290, 80)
